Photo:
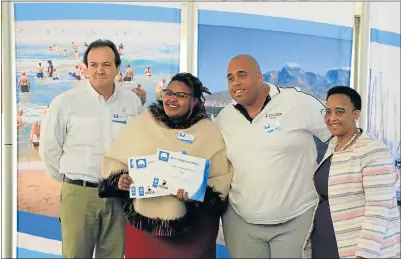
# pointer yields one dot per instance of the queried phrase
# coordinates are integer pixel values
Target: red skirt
(200, 242)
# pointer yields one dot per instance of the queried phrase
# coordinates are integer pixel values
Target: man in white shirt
(79, 126)
(269, 136)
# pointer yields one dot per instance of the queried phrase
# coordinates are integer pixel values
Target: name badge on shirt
(272, 127)
(185, 137)
(119, 118)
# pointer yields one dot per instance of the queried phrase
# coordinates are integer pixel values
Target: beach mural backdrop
(148, 39)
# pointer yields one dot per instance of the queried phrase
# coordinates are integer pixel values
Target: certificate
(142, 170)
(180, 171)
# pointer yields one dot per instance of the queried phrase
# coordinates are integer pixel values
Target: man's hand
(124, 182)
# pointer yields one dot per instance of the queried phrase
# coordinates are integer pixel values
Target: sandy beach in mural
(37, 191)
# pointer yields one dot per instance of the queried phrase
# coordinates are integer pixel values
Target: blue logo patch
(164, 156)
(133, 191)
(141, 191)
(131, 163)
(141, 163)
(155, 182)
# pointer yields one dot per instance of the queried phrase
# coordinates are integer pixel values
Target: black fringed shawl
(161, 227)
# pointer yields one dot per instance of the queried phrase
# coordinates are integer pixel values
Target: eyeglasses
(179, 95)
(338, 112)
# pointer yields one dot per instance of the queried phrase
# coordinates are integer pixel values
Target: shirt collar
(274, 90)
(96, 95)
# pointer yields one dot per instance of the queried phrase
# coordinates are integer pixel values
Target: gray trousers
(285, 240)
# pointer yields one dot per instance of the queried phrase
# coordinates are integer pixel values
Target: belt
(80, 182)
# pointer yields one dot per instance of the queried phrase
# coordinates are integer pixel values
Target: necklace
(350, 141)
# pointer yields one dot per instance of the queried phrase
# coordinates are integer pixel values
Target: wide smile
(172, 105)
(334, 125)
(239, 91)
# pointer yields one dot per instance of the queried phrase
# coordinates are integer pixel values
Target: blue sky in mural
(287, 59)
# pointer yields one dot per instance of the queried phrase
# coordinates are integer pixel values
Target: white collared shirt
(274, 156)
(78, 128)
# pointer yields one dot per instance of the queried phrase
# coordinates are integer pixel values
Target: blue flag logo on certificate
(132, 191)
(131, 163)
(141, 191)
(141, 163)
(164, 156)
(155, 182)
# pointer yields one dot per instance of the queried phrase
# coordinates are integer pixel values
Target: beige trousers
(90, 225)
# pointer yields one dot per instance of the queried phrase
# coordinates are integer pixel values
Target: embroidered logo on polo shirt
(273, 116)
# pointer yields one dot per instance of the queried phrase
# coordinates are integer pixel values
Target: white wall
(161, 3)
(385, 66)
(385, 16)
(328, 12)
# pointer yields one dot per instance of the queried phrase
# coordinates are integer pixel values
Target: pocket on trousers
(67, 191)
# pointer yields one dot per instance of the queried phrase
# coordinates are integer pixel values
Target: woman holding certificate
(171, 226)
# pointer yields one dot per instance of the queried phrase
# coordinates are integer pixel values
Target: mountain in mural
(318, 85)
(223, 96)
(293, 75)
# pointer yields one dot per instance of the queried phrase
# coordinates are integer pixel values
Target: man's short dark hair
(348, 91)
(103, 43)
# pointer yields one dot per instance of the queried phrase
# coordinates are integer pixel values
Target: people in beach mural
(49, 58)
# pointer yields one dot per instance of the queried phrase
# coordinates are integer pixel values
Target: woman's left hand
(181, 195)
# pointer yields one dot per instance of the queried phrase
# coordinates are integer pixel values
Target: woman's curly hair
(194, 83)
